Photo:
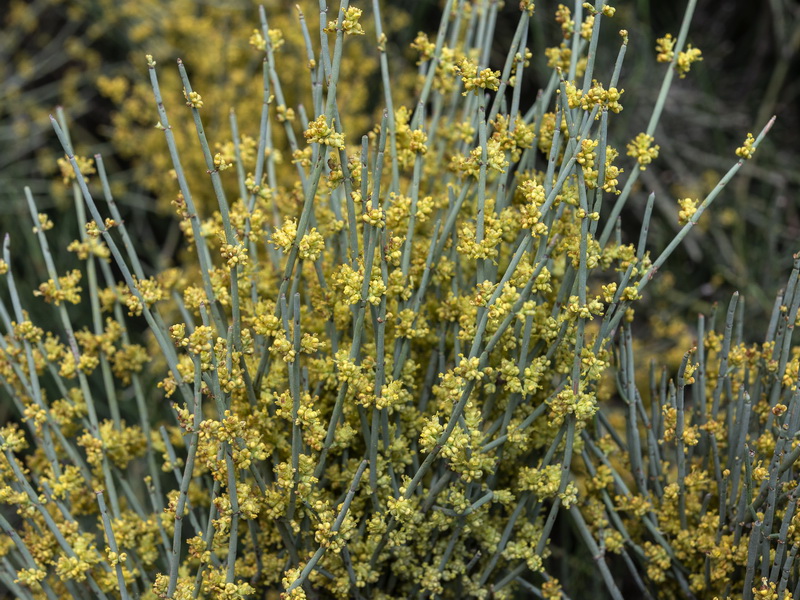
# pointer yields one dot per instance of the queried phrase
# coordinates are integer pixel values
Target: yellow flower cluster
(193, 99)
(350, 22)
(319, 132)
(686, 59)
(85, 164)
(664, 46)
(688, 208)
(66, 289)
(597, 95)
(643, 150)
(747, 150)
(474, 80)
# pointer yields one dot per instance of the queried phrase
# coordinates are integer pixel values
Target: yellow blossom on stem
(234, 255)
(319, 132)
(475, 80)
(687, 211)
(564, 18)
(643, 150)
(350, 22)
(65, 290)
(424, 46)
(664, 48)
(193, 99)
(747, 150)
(85, 166)
(527, 5)
(686, 59)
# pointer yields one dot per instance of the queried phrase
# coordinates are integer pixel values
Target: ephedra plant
(386, 366)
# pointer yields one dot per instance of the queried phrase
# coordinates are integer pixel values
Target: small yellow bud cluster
(543, 482)
(560, 57)
(596, 95)
(582, 405)
(257, 40)
(768, 590)
(199, 343)
(284, 113)
(530, 215)
(374, 217)
(13, 439)
(28, 331)
(85, 166)
(417, 140)
(311, 245)
(468, 369)
(122, 445)
(234, 255)
(473, 80)
(424, 46)
(664, 48)
(65, 290)
(514, 136)
(687, 211)
(527, 5)
(585, 311)
(686, 59)
(35, 414)
(486, 248)
(643, 150)
(612, 172)
(349, 281)
(284, 237)
(350, 23)
(551, 590)
(193, 99)
(630, 294)
(91, 247)
(289, 577)
(779, 410)
(319, 132)
(45, 224)
(115, 558)
(585, 158)
(31, 577)
(658, 562)
(523, 57)
(392, 395)
(587, 26)
(430, 433)
(410, 142)
(747, 150)
(403, 509)
(93, 228)
(635, 504)
(220, 164)
(151, 292)
(564, 18)
(496, 160)
(275, 38)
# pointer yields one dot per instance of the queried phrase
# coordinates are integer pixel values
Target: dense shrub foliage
(397, 365)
